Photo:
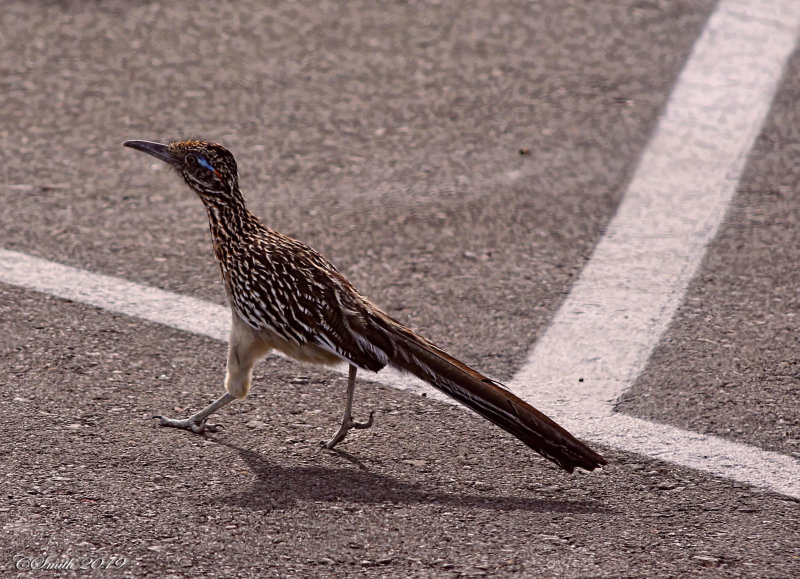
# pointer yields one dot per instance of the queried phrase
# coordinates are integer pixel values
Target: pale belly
(304, 353)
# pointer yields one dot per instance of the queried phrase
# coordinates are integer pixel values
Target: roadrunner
(286, 296)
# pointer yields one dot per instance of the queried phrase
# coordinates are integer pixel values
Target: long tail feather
(418, 356)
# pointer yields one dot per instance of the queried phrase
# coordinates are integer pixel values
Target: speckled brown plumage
(286, 296)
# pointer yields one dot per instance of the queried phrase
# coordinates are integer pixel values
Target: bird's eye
(194, 160)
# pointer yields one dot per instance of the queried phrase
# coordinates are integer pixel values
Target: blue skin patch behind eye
(203, 163)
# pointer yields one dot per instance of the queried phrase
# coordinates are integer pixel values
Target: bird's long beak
(158, 150)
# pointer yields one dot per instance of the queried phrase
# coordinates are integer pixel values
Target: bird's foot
(191, 423)
(347, 424)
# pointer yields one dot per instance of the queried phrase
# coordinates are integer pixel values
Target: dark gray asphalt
(384, 136)
(428, 491)
(388, 137)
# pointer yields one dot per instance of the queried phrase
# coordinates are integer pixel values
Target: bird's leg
(197, 422)
(244, 349)
(347, 419)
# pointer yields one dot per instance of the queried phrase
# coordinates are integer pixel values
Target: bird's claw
(360, 425)
(347, 424)
(189, 424)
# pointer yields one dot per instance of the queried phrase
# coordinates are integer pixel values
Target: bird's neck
(229, 221)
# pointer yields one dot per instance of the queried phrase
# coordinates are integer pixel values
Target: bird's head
(208, 168)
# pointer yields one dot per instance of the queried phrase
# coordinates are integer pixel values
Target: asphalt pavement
(458, 163)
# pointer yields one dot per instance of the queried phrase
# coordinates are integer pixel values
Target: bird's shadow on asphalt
(278, 487)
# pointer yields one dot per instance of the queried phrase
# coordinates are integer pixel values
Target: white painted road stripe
(593, 422)
(115, 295)
(629, 291)
(604, 333)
